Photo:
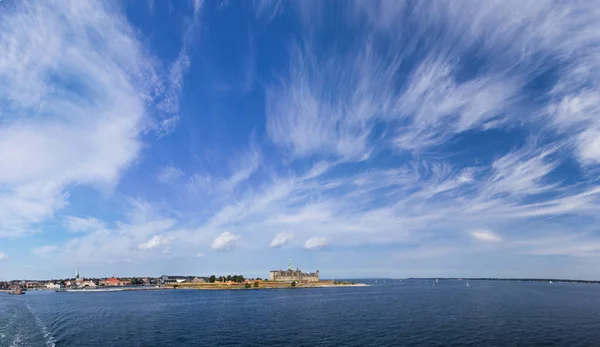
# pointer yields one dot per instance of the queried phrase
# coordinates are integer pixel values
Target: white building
(52, 286)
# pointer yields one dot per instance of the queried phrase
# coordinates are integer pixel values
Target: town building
(165, 279)
(88, 284)
(292, 274)
(111, 282)
(53, 286)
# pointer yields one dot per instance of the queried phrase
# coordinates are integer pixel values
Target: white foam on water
(16, 342)
(48, 336)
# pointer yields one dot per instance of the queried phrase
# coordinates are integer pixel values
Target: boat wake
(48, 336)
(16, 342)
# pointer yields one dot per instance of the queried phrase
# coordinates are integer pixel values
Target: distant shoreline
(211, 286)
(504, 279)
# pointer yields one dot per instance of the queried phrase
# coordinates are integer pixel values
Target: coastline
(212, 286)
(263, 285)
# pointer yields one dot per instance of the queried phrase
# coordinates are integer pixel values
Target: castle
(293, 275)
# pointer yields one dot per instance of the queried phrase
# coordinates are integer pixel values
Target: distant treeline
(232, 278)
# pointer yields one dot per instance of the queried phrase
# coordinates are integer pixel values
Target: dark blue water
(409, 313)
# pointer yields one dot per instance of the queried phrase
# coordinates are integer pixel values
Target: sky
(361, 138)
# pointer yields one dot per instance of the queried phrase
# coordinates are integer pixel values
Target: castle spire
(77, 273)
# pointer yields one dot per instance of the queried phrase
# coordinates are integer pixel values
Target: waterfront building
(165, 279)
(89, 284)
(52, 285)
(292, 274)
(112, 282)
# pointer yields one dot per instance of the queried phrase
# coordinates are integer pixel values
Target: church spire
(77, 273)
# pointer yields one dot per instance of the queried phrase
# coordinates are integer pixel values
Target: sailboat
(467, 284)
(437, 281)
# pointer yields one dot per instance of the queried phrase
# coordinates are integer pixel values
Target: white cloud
(3, 256)
(170, 174)
(156, 241)
(76, 224)
(485, 235)
(200, 255)
(52, 134)
(225, 242)
(589, 145)
(282, 239)
(316, 242)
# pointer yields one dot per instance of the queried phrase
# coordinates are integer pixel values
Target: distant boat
(437, 281)
(467, 284)
(550, 282)
(17, 291)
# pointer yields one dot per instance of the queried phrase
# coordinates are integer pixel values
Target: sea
(394, 313)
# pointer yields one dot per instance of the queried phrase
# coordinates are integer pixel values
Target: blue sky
(362, 138)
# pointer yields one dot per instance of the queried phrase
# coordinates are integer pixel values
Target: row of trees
(136, 281)
(234, 278)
